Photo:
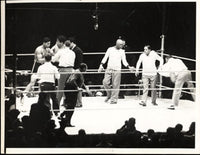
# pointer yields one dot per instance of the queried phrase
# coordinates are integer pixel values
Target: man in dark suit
(78, 60)
(75, 84)
(78, 52)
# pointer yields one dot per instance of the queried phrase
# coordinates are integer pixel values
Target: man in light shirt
(47, 73)
(78, 60)
(65, 57)
(149, 73)
(115, 56)
(178, 72)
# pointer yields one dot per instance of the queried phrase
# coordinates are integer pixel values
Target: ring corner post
(14, 76)
(162, 54)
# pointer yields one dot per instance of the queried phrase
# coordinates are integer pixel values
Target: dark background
(139, 23)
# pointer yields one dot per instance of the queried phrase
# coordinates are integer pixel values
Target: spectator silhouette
(189, 137)
(50, 133)
(191, 130)
(26, 125)
(178, 139)
(128, 127)
(39, 114)
(82, 139)
(128, 135)
(12, 119)
(168, 138)
(146, 139)
(61, 135)
(12, 124)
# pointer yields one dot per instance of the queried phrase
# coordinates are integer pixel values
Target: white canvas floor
(98, 117)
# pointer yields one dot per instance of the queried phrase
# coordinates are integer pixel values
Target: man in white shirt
(65, 57)
(78, 60)
(149, 72)
(178, 72)
(115, 56)
(47, 73)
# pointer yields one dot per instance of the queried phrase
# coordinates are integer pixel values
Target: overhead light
(96, 26)
(96, 17)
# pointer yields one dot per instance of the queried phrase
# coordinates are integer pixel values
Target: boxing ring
(96, 116)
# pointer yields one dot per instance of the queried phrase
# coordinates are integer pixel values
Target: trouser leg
(177, 91)
(145, 81)
(61, 85)
(153, 82)
(116, 80)
(191, 85)
(123, 81)
(79, 99)
(107, 82)
(70, 103)
(46, 87)
(54, 101)
(61, 82)
(192, 90)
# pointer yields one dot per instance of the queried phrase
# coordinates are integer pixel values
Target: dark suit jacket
(79, 57)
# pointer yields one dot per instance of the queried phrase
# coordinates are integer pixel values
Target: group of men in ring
(70, 67)
(175, 69)
(67, 71)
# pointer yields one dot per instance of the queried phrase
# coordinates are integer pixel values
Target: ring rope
(18, 71)
(131, 89)
(181, 91)
(102, 53)
(122, 85)
(89, 53)
(184, 58)
(193, 81)
(85, 109)
(93, 72)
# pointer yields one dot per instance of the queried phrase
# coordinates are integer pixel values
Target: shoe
(69, 125)
(154, 103)
(171, 107)
(112, 102)
(107, 99)
(78, 106)
(142, 103)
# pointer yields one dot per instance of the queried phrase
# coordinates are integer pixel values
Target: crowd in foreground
(38, 130)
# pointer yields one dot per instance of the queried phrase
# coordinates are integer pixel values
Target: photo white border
(2, 76)
(98, 150)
